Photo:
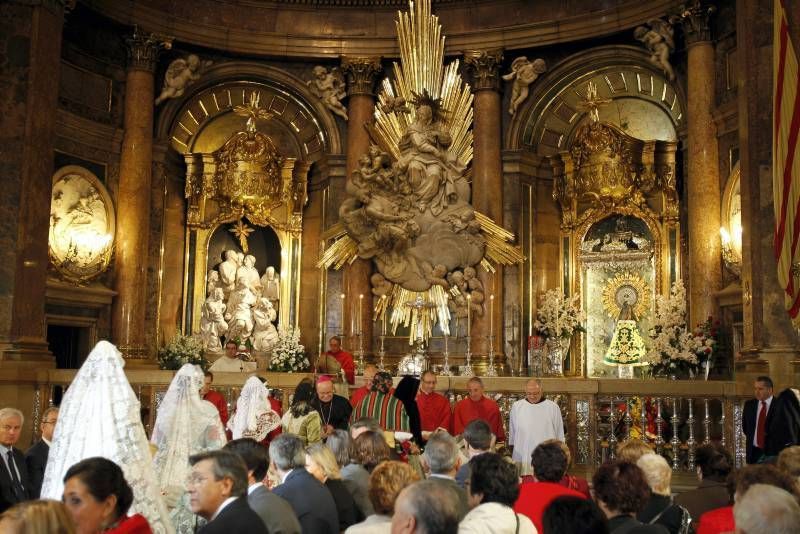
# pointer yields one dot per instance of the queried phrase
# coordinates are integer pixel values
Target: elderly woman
(321, 463)
(385, 484)
(98, 497)
(621, 490)
(302, 419)
(492, 490)
(659, 509)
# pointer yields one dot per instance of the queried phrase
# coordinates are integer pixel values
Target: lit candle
(469, 313)
(383, 309)
(360, 306)
(341, 299)
(491, 315)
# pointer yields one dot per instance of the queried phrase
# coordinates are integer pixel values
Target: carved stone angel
(524, 73)
(180, 74)
(659, 40)
(329, 86)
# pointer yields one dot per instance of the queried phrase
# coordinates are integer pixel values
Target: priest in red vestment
(476, 406)
(342, 357)
(215, 398)
(363, 391)
(434, 408)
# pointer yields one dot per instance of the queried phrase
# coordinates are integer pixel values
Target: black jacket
(236, 517)
(749, 416)
(36, 460)
(8, 497)
(313, 504)
(783, 420)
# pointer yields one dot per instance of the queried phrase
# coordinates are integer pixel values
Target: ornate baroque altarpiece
(620, 233)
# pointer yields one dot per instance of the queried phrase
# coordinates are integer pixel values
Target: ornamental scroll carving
(606, 167)
(246, 177)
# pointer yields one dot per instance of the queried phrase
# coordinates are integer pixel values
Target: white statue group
(240, 305)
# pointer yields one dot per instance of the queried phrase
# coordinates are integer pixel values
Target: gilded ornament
(626, 287)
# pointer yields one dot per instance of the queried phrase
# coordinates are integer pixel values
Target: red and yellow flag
(786, 162)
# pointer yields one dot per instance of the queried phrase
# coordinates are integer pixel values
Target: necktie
(761, 427)
(14, 478)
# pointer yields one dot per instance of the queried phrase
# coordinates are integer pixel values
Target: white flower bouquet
(559, 316)
(182, 350)
(674, 349)
(289, 355)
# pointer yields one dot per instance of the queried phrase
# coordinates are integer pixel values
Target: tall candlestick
(491, 315)
(383, 310)
(469, 313)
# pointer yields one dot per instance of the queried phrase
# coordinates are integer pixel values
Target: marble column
(769, 344)
(133, 198)
(30, 40)
(362, 74)
(483, 67)
(702, 183)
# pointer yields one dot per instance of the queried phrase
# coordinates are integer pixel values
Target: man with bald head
(533, 420)
(478, 406)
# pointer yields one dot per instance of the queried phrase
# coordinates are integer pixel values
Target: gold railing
(598, 414)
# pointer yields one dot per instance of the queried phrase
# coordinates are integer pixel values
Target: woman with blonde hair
(632, 449)
(37, 517)
(321, 463)
(659, 509)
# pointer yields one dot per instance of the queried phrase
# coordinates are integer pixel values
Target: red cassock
(345, 359)
(277, 407)
(219, 401)
(434, 411)
(468, 410)
(358, 394)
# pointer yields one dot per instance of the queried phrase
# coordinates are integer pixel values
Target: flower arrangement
(182, 350)
(289, 355)
(559, 316)
(674, 350)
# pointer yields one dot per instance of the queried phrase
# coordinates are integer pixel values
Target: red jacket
(219, 401)
(717, 521)
(535, 497)
(135, 524)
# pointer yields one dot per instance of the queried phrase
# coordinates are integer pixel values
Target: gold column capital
(695, 17)
(483, 68)
(144, 48)
(362, 73)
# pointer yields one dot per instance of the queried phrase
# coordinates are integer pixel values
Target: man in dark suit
(36, 457)
(756, 418)
(14, 482)
(312, 502)
(441, 461)
(275, 512)
(217, 492)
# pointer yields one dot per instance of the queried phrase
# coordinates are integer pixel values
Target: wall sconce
(732, 248)
(81, 240)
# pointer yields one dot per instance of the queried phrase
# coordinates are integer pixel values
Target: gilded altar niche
(620, 232)
(244, 186)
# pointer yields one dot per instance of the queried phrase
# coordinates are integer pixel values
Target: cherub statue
(436, 275)
(212, 321)
(380, 285)
(180, 74)
(329, 87)
(524, 73)
(659, 40)
(396, 104)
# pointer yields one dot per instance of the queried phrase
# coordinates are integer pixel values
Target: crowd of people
(391, 458)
